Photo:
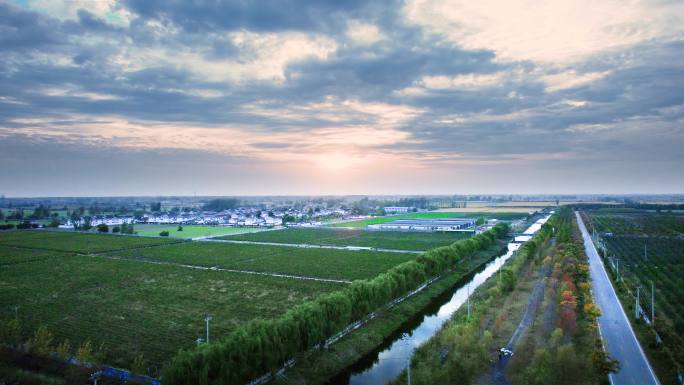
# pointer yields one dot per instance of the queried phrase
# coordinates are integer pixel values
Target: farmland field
(637, 222)
(322, 263)
(428, 215)
(11, 255)
(63, 241)
(663, 265)
(135, 307)
(127, 307)
(191, 231)
(650, 248)
(357, 237)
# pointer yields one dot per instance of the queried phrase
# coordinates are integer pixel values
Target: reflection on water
(385, 366)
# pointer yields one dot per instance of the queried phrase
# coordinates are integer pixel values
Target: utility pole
(500, 266)
(408, 371)
(636, 308)
(652, 305)
(16, 312)
(207, 319)
(618, 268)
(468, 301)
(645, 254)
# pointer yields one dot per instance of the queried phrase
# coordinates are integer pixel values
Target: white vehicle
(505, 352)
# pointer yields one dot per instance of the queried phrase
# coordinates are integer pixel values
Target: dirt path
(497, 374)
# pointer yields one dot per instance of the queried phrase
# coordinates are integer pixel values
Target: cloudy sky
(148, 97)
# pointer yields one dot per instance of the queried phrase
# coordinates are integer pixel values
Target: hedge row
(262, 346)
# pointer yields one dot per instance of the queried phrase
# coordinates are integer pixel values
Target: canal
(388, 361)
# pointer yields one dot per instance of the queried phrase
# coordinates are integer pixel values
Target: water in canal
(386, 363)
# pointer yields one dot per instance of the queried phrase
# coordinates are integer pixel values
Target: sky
(277, 97)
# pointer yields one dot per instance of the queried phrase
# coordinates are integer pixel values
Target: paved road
(617, 333)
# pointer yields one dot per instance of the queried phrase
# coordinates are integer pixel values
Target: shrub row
(262, 346)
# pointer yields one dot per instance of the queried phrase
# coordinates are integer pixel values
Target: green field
(427, 215)
(116, 298)
(63, 241)
(10, 255)
(310, 262)
(191, 231)
(356, 237)
(134, 307)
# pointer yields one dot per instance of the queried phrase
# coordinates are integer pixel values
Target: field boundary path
(616, 331)
(311, 246)
(215, 268)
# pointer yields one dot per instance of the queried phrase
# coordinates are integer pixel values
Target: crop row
(11, 255)
(355, 237)
(638, 223)
(313, 262)
(661, 264)
(63, 241)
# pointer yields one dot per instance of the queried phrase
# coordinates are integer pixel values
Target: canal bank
(364, 345)
(379, 351)
(390, 359)
(318, 367)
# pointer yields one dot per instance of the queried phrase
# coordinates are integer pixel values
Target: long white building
(448, 224)
(398, 209)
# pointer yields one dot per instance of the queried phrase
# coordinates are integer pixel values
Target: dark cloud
(257, 15)
(22, 31)
(65, 72)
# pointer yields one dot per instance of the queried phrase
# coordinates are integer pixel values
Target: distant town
(121, 214)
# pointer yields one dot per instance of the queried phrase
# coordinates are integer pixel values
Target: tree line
(262, 346)
(562, 349)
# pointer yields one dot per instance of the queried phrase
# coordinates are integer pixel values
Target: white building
(452, 224)
(398, 209)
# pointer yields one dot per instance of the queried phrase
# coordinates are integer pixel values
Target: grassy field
(356, 237)
(62, 241)
(191, 231)
(135, 307)
(322, 263)
(428, 215)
